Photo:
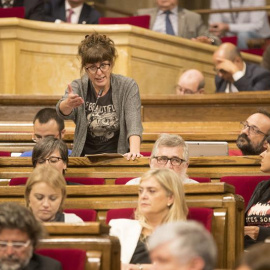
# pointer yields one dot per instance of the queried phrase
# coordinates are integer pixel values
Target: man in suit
(170, 19)
(33, 8)
(70, 11)
(19, 235)
(182, 245)
(234, 75)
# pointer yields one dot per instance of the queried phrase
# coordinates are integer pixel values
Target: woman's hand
(71, 102)
(252, 231)
(132, 156)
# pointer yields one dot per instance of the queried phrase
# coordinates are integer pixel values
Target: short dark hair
(48, 145)
(15, 216)
(47, 114)
(264, 112)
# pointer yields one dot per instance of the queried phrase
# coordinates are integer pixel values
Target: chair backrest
(70, 258)
(5, 154)
(17, 181)
(122, 180)
(202, 179)
(202, 215)
(81, 180)
(141, 21)
(120, 213)
(12, 12)
(86, 180)
(85, 214)
(244, 185)
(232, 39)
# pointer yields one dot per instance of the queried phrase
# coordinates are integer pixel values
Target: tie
(70, 12)
(7, 3)
(169, 28)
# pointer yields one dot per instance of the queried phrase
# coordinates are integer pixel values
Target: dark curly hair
(15, 216)
(96, 48)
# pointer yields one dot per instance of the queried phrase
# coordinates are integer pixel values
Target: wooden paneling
(41, 58)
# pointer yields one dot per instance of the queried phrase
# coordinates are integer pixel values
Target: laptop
(12, 12)
(207, 149)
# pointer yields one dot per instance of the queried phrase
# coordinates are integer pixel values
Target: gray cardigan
(127, 103)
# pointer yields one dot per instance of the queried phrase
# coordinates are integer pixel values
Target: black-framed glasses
(93, 69)
(15, 245)
(52, 160)
(251, 129)
(175, 161)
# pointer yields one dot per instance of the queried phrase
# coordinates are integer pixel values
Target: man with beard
(19, 235)
(252, 139)
(169, 151)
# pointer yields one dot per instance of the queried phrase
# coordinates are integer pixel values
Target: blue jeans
(243, 37)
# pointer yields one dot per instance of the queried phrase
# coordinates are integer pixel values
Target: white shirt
(160, 22)
(236, 76)
(76, 12)
(255, 21)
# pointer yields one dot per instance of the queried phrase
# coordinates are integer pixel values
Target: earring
(168, 204)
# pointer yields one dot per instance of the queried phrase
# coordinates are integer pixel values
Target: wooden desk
(103, 251)
(40, 58)
(227, 226)
(158, 108)
(110, 169)
(16, 136)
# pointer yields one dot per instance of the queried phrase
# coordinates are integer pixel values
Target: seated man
(245, 25)
(33, 8)
(252, 138)
(47, 123)
(169, 151)
(182, 245)
(170, 19)
(19, 236)
(235, 75)
(190, 82)
(70, 11)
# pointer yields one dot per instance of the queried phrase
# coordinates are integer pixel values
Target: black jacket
(39, 262)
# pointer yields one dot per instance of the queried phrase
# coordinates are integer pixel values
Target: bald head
(190, 82)
(227, 51)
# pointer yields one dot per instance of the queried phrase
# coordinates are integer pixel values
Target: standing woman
(105, 107)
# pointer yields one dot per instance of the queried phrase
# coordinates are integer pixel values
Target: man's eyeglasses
(163, 160)
(15, 245)
(93, 69)
(52, 160)
(251, 129)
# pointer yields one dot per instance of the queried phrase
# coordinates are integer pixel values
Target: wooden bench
(228, 220)
(16, 136)
(112, 168)
(102, 250)
(159, 108)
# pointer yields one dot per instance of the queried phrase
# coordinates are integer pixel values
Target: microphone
(98, 96)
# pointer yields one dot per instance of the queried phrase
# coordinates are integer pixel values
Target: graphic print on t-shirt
(259, 215)
(102, 122)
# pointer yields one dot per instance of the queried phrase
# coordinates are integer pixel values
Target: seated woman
(257, 216)
(51, 150)
(45, 193)
(161, 200)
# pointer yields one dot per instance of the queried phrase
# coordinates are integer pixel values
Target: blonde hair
(49, 175)
(171, 182)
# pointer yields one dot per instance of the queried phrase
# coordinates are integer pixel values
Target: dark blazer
(39, 262)
(33, 8)
(55, 9)
(256, 78)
